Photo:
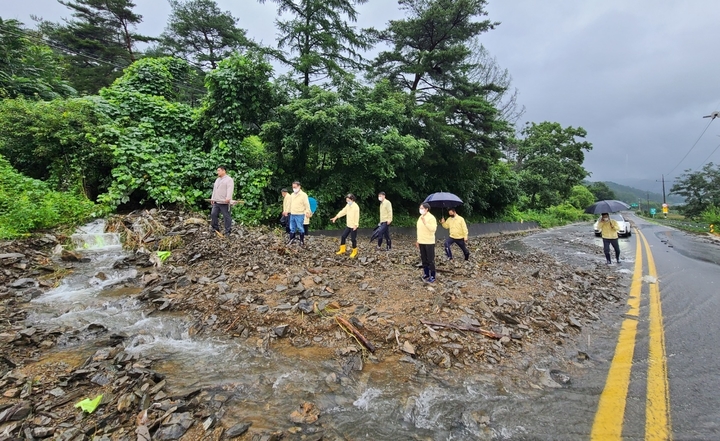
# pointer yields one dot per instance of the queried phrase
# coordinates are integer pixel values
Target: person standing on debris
(285, 218)
(299, 208)
(386, 216)
(426, 227)
(352, 222)
(313, 207)
(458, 233)
(220, 200)
(609, 230)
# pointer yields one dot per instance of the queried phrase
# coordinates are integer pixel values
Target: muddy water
(393, 399)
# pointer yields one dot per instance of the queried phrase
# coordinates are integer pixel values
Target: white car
(622, 223)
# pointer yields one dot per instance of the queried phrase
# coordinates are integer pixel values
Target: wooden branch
(484, 332)
(361, 338)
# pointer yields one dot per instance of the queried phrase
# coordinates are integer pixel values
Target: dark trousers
(306, 228)
(386, 236)
(353, 236)
(215, 214)
(606, 249)
(459, 242)
(427, 256)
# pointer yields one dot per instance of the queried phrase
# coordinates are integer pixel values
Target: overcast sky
(637, 75)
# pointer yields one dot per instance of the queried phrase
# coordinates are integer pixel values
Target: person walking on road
(426, 227)
(299, 208)
(609, 231)
(386, 217)
(458, 233)
(352, 222)
(220, 200)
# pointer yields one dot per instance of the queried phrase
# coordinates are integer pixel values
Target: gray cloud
(638, 76)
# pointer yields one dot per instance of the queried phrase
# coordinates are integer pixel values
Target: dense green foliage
(28, 204)
(701, 190)
(601, 191)
(27, 68)
(433, 113)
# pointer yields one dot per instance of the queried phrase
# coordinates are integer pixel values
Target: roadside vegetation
(148, 128)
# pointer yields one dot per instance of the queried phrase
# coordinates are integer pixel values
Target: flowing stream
(393, 399)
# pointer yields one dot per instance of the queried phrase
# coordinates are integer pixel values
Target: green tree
(98, 42)
(601, 191)
(580, 197)
(28, 68)
(57, 141)
(550, 162)
(701, 190)
(199, 32)
(320, 41)
(431, 59)
(337, 143)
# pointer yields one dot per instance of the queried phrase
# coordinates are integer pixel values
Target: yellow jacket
(286, 203)
(426, 231)
(299, 203)
(609, 229)
(457, 226)
(386, 211)
(353, 215)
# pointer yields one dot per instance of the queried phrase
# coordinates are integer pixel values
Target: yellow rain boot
(353, 255)
(343, 249)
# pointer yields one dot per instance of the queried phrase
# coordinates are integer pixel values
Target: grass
(680, 222)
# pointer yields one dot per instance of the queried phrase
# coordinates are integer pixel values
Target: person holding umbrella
(609, 229)
(352, 222)
(386, 216)
(458, 233)
(426, 227)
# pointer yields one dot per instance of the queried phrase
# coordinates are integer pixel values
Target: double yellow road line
(608, 424)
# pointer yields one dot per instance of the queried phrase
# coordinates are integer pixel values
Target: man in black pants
(458, 233)
(426, 227)
(609, 229)
(221, 198)
(386, 215)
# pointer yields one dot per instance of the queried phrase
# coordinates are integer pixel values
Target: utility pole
(663, 182)
(648, 202)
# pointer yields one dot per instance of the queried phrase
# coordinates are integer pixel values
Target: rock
(43, 432)
(262, 309)
(183, 282)
(17, 412)
(408, 348)
(237, 430)
(23, 283)
(307, 414)
(305, 306)
(560, 377)
(281, 288)
(175, 427)
(194, 221)
(70, 256)
(57, 392)
(297, 290)
(284, 307)
(11, 256)
(281, 330)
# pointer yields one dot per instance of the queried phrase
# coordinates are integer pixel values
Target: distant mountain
(632, 194)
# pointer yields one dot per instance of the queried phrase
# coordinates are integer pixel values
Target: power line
(693, 146)
(710, 155)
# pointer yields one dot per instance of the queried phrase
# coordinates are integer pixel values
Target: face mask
(295, 190)
(349, 202)
(451, 215)
(380, 199)
(423, 211)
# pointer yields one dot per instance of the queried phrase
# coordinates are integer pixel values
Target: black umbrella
(609, 206)
(378, 231)
(443, 200)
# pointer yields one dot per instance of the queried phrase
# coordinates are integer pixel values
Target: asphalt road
(654, 371)
(689, 284)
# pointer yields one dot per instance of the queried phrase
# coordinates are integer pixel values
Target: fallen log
(484, 332)
(361, 338)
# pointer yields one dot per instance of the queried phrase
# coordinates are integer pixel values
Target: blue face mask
(349, 202)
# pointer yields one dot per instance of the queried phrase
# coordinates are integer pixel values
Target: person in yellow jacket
(458, 233)
(352, 222)
(386, 217)
(609, 230)
(426, 227)
(299, 208)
